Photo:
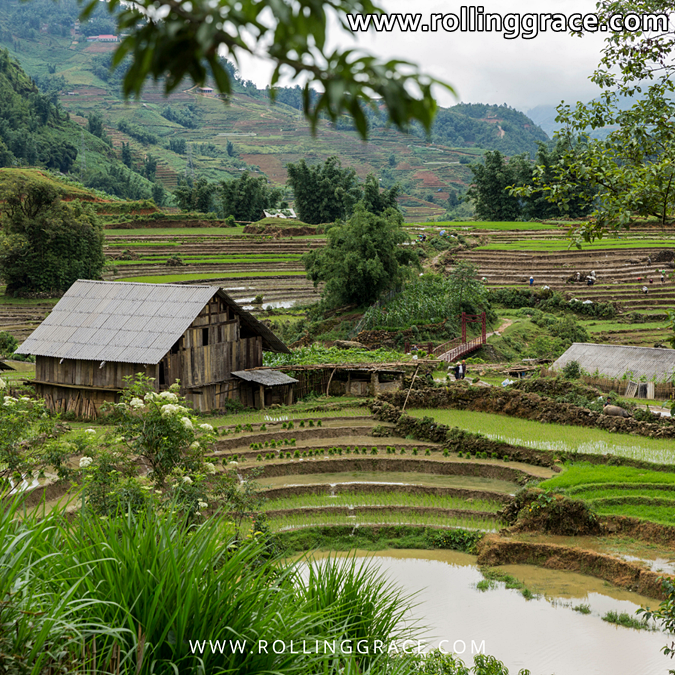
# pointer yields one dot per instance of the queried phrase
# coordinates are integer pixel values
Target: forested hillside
(155, 141)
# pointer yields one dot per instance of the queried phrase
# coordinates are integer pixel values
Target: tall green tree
(46, 243)
(376, 200)
(363, 257)
(631, 170)
(246, 197)
(469, 294)
(491, 180)
(324, 192)
(126, 154)
(197, 196)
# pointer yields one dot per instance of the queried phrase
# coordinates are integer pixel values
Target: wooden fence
(650, 390)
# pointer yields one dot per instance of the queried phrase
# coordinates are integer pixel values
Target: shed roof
(128, 322)
(268, 378)
(618, 360)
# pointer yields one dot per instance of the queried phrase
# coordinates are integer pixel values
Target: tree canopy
(363, 257)
(632, 170)
(46, 244)
(327, 192)
(175, 41)
(490, 182)
(324, 192)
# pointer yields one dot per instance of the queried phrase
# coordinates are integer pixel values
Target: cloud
(486, 67)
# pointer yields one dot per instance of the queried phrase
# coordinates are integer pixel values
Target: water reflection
(544, 635)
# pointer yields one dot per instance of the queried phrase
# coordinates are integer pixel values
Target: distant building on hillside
(205, 90)
(103, 38)
(102, 331)
(280, 213)
(642, 368)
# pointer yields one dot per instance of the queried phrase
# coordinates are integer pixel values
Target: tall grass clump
(150, 592)
(358, 605)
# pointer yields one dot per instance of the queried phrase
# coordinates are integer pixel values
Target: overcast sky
(485, 67)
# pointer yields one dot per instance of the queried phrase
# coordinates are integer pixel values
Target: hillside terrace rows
(620, 273)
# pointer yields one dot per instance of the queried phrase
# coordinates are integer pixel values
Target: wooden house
(102, 331)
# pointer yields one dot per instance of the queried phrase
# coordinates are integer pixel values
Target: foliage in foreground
(156, 591)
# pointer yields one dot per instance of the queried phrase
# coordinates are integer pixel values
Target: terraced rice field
(330, 470)
(555, 437)
(622, 266)
(620, 491)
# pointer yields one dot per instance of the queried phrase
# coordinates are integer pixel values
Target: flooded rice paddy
(391, 477)
(555, 437)
(545, 634)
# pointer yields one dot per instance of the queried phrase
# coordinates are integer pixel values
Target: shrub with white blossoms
(160, 428)
(27, 440)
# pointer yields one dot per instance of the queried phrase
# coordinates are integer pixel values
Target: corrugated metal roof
(615, 361)
(268, 378)
(128, 322)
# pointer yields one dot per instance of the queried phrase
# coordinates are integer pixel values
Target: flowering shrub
(160, 429)
(27, 433)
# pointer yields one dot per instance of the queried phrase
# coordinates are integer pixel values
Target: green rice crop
(637, 492)
(383, 499)
(318, 354)
(555, 437)
(585, 474)
(488, 225)
(173, 278)
(214, 260)
(565, 244)
(286, 414)
(394, 518)
(177, 231)
(628, 621)
(664, 515)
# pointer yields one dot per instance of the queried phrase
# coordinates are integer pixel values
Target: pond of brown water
(544, 635)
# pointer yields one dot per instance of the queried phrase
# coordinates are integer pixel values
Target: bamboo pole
(410, 389)
(330, 379)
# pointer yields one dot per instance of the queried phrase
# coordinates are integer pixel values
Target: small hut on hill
(646, 372)
(102, 331)
(617, 361)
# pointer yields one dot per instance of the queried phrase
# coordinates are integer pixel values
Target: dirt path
(501, 329)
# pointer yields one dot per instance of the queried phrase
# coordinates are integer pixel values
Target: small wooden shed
(101, 331)
(266, 387)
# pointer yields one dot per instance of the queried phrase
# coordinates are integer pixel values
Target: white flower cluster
(136, 403)
(206, 427)
(3, 384)
(172, 409)
(90, 431)
(85, 462)
(203, 505)
(168, 396)
(210, 468)
(195, 446)
(186, 422)
(9, 400)
(187, 479)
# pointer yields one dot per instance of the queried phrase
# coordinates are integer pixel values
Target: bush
(572, 370)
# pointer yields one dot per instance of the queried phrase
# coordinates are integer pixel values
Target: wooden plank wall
(86, 373)
(197, 364)
(80, 402)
